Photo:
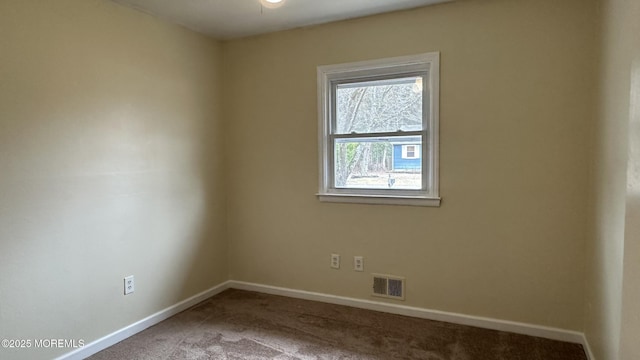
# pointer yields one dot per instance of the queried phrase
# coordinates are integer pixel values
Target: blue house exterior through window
(407, 155)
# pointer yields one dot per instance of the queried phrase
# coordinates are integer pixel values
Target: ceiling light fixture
(272, 4)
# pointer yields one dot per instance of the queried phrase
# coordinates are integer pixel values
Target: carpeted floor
(246, 325)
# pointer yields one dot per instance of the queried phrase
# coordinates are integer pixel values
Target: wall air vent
(388, 286)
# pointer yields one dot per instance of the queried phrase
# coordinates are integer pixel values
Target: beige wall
(110, 165)
(508, 241)
(606, 241)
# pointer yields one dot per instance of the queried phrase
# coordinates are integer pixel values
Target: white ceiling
(226, 19)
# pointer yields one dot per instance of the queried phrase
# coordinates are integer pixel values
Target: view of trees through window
(386, 106)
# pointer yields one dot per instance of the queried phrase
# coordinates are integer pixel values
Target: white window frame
(329, 76)
(416, 151)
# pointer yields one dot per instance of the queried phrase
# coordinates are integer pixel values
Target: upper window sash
(369, 82)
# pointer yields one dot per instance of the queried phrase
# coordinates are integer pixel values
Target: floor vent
(388, 286)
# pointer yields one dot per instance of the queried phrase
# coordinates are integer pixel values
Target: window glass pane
(379, 106)
(377, 163)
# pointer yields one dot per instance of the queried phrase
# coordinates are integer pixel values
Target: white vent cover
(388, 286)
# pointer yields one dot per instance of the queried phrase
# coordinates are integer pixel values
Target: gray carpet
(247, 325)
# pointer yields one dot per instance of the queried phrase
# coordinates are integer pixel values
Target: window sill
(381, 199)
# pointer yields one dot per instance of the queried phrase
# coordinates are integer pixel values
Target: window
(410, 152)
(378, 132)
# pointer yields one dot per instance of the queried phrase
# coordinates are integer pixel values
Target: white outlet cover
(358, 263)
(129, 285)
(335, 261)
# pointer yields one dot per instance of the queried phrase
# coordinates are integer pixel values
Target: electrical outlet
(129, 285)
(358, 263)
(335, 261)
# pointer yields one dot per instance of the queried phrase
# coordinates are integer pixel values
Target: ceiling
(225, 19)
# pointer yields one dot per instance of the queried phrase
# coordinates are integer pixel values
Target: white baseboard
(587, 348)
(119, 335)
(455, 318)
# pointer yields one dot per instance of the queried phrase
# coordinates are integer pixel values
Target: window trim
(405, 152)
(330, 75)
